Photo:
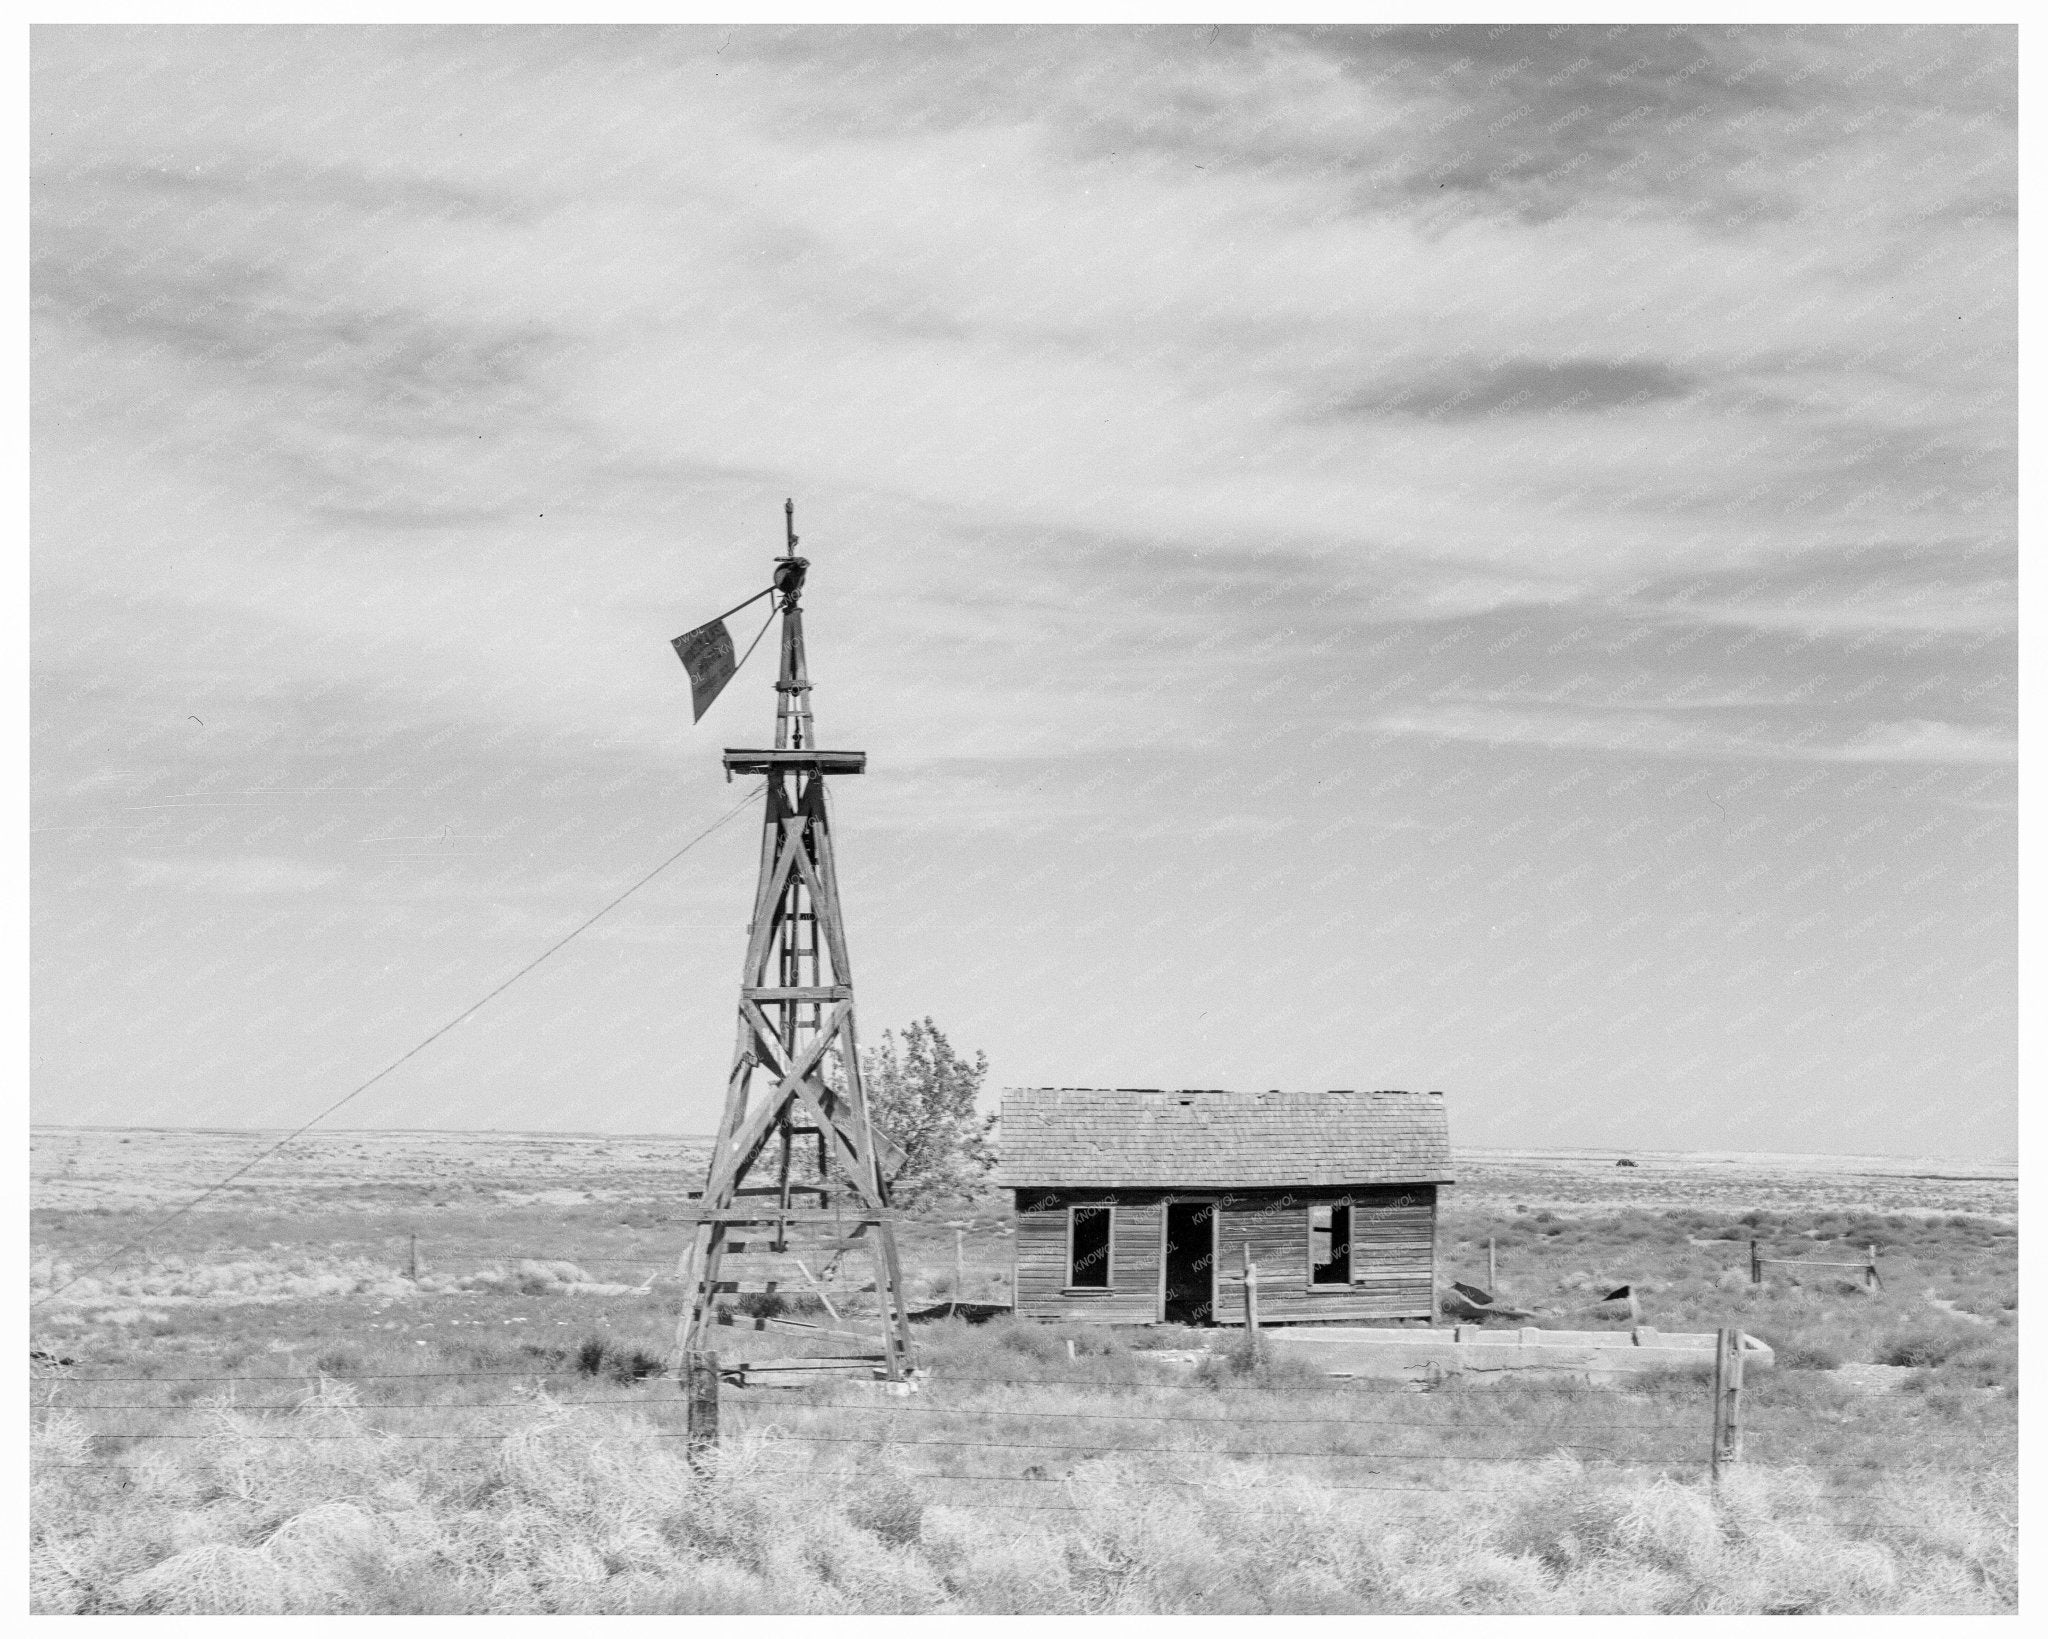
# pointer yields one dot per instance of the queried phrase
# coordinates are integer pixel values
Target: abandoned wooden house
(1136, 1206)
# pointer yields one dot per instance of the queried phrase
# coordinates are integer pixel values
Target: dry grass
(558, 1517)
(1950, 1296)
(1236, 1486)
(1021, 1479)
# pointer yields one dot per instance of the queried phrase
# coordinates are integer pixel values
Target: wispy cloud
(1962, 586)
(1471, 392)
(1928, 742)
(1669, 733)
(1190, 428)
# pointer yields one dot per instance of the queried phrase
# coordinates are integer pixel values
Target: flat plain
(391, 1371)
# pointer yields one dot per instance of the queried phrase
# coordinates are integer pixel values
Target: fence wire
(916, 1427)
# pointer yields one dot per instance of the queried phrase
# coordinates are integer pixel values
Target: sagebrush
(555, 1518)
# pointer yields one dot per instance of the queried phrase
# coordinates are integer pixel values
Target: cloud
(315, 362)
(1167, 410)
(1073, 330)
(1547, 121)
(1662, 733)
(1928, 742)
(1860, 587)
(235, 874)
(1520, 387)
(1907, 612)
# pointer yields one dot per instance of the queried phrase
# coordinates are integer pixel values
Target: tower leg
(701, 1263)
(690, 1271)
(895, 1315)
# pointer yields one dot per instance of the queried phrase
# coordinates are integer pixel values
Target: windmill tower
(796, 1036)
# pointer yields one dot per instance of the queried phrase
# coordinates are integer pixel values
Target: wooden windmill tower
(796, 1035)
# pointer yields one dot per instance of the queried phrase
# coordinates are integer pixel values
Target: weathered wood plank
(796, 993)
(803, 1363)
(738, 1216)
(743, 760)
(1392, 1242)
(1039, 1253)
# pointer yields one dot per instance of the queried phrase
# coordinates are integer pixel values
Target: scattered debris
(975, 1314)
(1464, 1302)
(1627, 1295)
(1170, 1357)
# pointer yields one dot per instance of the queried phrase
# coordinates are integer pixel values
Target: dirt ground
(76, 1169)
(1592, 1181)
(427, 1233)
(319, 1320)
(124, 1170)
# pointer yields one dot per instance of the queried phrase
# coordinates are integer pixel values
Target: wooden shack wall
(1132, 1298)
(1393, 1253)
(1393, 1237)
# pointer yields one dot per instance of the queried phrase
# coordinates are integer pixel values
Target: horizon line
(1616, 1150)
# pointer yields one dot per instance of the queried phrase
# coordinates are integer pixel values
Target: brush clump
(560, 1516)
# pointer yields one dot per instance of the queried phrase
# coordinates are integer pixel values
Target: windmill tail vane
(707, 654)
(795, 1030)
(707, 651)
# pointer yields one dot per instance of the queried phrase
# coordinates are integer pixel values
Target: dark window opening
(1329, 1243)
(1088, 1246)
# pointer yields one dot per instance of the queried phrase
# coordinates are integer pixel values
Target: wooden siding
(1132, 1297)
(1392, 1255)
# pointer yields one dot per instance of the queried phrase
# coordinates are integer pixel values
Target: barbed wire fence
(995, 1457)
(1257, 1441)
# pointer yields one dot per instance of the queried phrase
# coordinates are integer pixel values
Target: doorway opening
(1190, 1263)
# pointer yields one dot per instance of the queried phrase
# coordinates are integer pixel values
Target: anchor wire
(363, 1087)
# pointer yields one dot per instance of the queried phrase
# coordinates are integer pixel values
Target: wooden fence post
(1756, 1266)
(700, 1372)
(412, 1258)
(1727, 1446)
(1492, 1272)
(1872, 1280)
(1251, 1302)
(959, 1269)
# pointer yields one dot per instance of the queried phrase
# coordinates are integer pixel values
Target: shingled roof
(1140, 1138)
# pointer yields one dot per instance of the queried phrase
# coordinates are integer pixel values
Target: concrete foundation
(1499, 1354)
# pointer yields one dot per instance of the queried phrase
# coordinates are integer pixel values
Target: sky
(1463, 558)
